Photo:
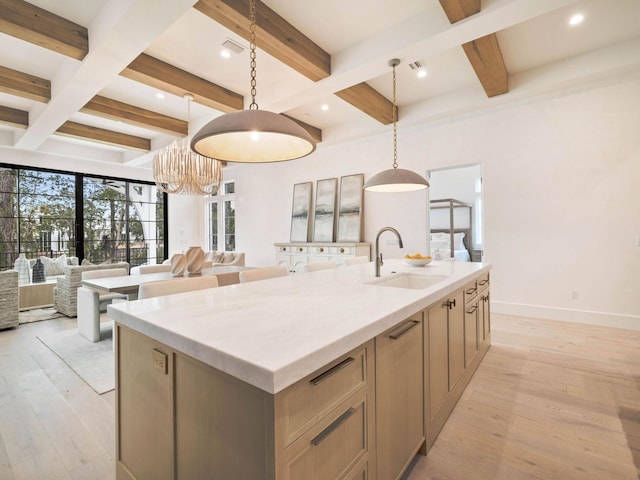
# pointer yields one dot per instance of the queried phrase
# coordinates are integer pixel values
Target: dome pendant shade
(253, 136)
(396, 180)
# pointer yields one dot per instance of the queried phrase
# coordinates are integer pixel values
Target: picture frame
(300, 209)
(325, 210)
(350, 208)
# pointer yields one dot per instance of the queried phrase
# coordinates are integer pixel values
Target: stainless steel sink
(407, 280)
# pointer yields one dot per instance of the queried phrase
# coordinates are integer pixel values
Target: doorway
(455, 213)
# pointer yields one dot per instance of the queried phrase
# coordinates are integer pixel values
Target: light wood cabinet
(362, 416)
(455, 343)
(179, 418)
(484, 315)
(455, 319)
(295, 255)
(144, 371)
(437, 339)
(445, 358)
(399, 397)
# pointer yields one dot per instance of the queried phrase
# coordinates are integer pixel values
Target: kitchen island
(313, 375)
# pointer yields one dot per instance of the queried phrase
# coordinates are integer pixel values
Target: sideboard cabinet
(295, 255)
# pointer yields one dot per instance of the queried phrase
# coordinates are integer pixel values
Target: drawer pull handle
(471, 290)
(336, 368)
(484, 282)
(336, 423)
(472, 309)
(341, 250)
(449, 304)
(410, 324)
(321, 249)
(299, 249)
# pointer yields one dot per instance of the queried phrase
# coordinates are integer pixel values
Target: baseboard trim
(631, 322)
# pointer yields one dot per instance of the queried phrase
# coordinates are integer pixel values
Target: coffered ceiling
(81, 78)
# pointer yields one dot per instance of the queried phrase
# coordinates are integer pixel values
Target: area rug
(38, 315)
(93, 362)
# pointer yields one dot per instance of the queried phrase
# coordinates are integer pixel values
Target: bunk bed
(452, 242)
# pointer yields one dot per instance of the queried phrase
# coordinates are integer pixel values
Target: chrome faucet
(379, 262)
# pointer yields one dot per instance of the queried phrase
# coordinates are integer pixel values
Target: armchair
(65, 295)
(9, 299)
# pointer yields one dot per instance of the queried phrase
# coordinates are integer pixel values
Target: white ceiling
(541, 51)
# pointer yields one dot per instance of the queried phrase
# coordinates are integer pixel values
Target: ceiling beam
(121, 31)
(366, 98)
(315, 132)
(457, 10)
(35, 25)
(119, 111)
(274, 35)
(158, 74)
(24, 85)
(14, 117)
(102, 135)
(484, 53)
(486, 59)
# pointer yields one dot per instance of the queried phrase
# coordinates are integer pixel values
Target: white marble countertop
(274, 332)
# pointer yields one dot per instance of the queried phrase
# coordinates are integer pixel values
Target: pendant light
(178, 169)
(395, 179)
(253, 136)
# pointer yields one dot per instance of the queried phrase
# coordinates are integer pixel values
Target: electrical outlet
(159, 361)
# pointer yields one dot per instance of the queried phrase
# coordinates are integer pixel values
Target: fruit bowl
(417, 262)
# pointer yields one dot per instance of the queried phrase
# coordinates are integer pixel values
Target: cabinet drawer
(313, 397)
(342, 250)
(483, 281)
(334, 447)
(322, 250)
(470, 291)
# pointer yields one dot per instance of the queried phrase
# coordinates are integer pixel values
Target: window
(221, 219)
(123, 221)
(117, 220)
(37, 214)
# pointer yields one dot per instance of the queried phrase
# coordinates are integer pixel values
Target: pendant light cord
(395, 119)
(252, 54)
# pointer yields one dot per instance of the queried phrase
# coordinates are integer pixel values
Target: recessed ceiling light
(224, 53)
(324, 107)
(576, 19)
(160, 95)
(422, 73)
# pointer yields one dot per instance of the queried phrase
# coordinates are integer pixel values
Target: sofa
(65, 295)
(8, 299)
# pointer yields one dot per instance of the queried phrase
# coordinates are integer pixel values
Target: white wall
(562, 203)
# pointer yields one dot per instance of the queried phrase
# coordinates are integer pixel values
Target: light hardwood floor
(551, 400)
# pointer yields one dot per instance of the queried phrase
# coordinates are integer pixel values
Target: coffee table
(37, 295)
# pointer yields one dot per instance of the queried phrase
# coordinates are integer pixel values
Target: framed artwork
(350, 208)
(300, 212)
(325, 211)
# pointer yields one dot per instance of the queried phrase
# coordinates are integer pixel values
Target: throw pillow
(51, 267)
(228, 257)
(62, 262)
(86, 262)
